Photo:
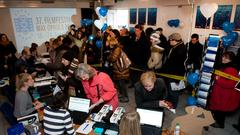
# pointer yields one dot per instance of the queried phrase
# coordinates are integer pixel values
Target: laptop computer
(151, 121)
(79, 109)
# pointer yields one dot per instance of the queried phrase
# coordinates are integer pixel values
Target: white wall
(177, 9)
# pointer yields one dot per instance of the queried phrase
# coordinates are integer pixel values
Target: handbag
(123, 62)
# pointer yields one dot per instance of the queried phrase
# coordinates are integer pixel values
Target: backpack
(123, 62)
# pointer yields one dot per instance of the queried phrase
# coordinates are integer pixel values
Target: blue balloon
(103, 11)
(174, 23)
(90, 38)
(192, 78)
(233, 35)
(98, 43)
(227, 41)
(191, 101)
(228, 27)
(104, 27)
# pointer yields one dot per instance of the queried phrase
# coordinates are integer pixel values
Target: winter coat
(140, 51)
(115, 54)
(155, 60)
(224, 96)
(107, 91)
(195, 53)
(175, 60)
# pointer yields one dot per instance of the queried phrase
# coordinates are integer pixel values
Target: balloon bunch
(175, 23)
(86, 22)
(231, 36)
(102, 22)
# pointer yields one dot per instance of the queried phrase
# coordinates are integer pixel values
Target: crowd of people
(71, 57)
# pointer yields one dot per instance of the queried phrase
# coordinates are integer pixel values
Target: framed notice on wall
(152, 16)
(222, 15)
(237, 18)
(142, 15)
(133, 15)
(201, 21)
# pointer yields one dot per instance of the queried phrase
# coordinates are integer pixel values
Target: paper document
(79, 104)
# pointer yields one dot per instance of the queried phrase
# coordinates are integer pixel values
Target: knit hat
(68, 56)
(175, 36)
(155, 37)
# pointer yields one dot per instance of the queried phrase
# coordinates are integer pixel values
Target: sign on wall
(39, 24)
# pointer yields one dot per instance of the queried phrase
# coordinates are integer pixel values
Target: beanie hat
(69, 56)
(155, 37)
(175, 36)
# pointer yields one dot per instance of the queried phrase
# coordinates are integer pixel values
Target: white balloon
(97, 11)
(98, 24)
(208, 9)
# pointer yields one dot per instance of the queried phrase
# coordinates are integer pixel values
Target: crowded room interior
(120, 67)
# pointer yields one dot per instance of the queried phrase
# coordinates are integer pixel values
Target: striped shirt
(57, 122)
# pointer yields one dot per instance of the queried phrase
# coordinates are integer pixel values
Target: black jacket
(150, 99)
(175, 60)
(195, 53)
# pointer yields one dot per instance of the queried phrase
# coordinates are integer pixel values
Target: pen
(85, 127)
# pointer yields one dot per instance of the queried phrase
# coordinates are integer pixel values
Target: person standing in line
(224, 98)
(174, 65)
(195, 53)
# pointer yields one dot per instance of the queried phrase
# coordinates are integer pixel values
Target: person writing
(150, 92)
(23, 101)
(98, 86)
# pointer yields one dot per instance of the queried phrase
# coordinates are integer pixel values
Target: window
(152, 16)
(201, 21)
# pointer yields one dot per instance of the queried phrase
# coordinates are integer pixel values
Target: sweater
(57, 122)
(23, 104)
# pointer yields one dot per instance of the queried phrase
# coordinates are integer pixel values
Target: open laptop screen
(78, 104)
(150, 117)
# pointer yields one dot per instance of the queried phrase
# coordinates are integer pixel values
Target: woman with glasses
(224, 98)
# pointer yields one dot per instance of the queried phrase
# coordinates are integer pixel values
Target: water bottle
(177, 129)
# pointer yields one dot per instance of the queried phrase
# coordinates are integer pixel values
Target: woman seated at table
(56, 119)
(23, 101)
(98, 86)
(130, 124)
(150, 92)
